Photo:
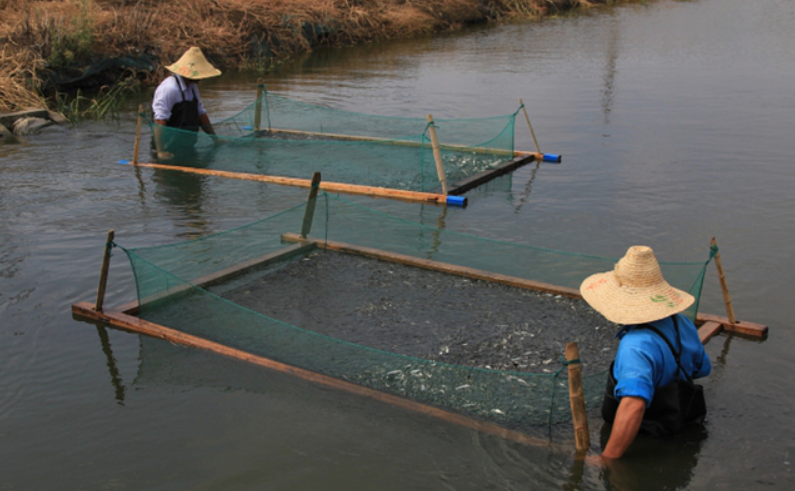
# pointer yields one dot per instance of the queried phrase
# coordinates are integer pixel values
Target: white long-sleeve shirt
(170, 92)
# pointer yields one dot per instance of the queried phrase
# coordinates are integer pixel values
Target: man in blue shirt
(659, 347)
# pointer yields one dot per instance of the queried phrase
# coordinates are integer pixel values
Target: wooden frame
(519, 158)
(124, 318)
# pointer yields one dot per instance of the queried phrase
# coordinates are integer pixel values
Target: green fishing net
(278, 136)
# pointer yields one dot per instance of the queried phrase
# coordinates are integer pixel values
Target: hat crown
(193, 65)
(638, 268)
(635, 292)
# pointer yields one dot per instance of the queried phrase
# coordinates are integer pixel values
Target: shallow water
(674, 120)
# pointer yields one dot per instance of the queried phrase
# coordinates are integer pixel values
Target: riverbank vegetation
(54, 51)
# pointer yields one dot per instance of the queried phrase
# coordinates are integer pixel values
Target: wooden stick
(258, 108)
(726, 297)
(138, 133)
(579, 414)
(310, 205)
(527, 118)
(103, 274)
(437, 154)
(135, 324)
(333, 187)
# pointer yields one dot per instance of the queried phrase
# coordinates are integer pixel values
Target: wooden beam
(708, 330)
(332, 187)
(439, 266)
(744, 328)
(103, 273)
(579, 414)
(437, 155)
(309, 213)
(480, 178)
(527, 118)
(127, 322)
(727, 299)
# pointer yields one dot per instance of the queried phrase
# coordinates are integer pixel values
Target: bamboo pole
(727, 299)
(138, 133)
(310, 205)
(258, 108)
(527, 118)
(103, 274)
(579, 415)
(437, 154)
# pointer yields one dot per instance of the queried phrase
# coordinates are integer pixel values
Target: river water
(675, 120)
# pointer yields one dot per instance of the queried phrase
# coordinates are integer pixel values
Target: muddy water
(675, 121)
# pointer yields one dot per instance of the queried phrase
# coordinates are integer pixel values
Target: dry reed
(40, 35)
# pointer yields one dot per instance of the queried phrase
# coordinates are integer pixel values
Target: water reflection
(115, 378)
(185, 191)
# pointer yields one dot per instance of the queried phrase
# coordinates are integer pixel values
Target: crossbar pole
(727, 299)
(579, 416)
(332, 187)
(437, 154)
(103, 273)
(527, 118)
(138, 133)
(310, 205)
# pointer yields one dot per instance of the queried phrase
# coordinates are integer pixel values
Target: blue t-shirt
(644, 361)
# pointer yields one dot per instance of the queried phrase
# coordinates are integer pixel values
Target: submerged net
(189, 286)
(282, 137)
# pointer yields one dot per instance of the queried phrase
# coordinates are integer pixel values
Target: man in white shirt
(177, 104)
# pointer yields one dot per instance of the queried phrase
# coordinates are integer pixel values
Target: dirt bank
(63, 45)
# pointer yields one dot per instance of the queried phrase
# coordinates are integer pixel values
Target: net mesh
(282, 137)
(184, 285)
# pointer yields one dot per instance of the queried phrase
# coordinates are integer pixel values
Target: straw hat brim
(628, 305)
(194, 66)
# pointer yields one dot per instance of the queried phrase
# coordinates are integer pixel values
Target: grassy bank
(46, 45)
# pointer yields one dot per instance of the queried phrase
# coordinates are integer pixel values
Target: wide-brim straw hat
(635, 292)
(194, 65)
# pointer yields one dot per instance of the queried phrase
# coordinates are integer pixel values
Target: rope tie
(566, 362)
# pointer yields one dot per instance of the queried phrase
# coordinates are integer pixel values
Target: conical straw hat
(635, 291)
(194, 65)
